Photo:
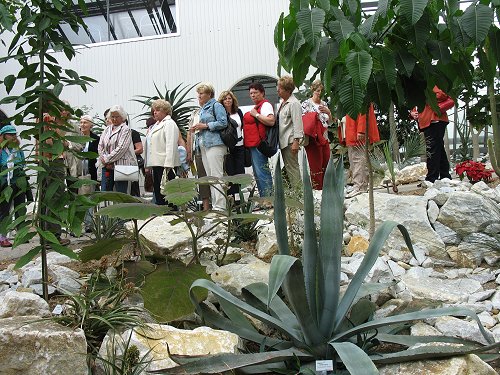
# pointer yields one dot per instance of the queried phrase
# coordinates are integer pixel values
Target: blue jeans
(108, 182)
(261, 172)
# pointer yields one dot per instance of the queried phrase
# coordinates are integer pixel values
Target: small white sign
(324, 365)
(57, 310)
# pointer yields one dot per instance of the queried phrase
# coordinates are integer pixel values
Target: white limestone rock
(266, 245)
(424, 329)
(451, 326)
(156, 340)
(23, 304)
(446, 291)
(235, 276)
(396, 269)
(411, 173)
(468, 364)
(487, 320)
(479, 245)
(8, 277)
(29, 346)
(467, 213)
(432, 211)
(410, 211)
(164, 236)
(447, 235)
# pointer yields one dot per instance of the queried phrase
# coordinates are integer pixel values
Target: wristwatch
(257, 115)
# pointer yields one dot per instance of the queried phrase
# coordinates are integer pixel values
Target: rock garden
(127, 314)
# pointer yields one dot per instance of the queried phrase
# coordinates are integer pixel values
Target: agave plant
(181, 107)
(314, 319)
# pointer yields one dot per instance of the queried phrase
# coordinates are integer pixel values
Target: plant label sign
(324, 366)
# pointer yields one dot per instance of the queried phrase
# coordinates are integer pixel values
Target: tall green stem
(371, 202)
(494, 149)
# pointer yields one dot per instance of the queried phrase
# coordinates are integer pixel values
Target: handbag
(126, 173)
(269, 145)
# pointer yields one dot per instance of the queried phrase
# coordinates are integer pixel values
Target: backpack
(229, 134)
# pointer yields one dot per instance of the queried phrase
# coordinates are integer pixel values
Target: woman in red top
(352, 134)
(254, 130)
(434, 127)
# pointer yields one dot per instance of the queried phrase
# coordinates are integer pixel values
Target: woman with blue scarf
(13, 183)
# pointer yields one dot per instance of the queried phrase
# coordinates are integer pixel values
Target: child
(13, 183)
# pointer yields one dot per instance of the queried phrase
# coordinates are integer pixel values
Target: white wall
(221, 41)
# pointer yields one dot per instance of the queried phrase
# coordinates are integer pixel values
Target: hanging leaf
(328, 51)
(359, 65)
(405, 62)
(412, 10)
(439, 50)
(341, 29)
(351, 96)
(477, 20)
(311, 24)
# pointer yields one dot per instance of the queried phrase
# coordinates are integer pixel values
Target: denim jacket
(211, 137)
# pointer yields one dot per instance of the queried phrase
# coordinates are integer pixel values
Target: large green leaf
(412, 10)
(166, 290)
(382, 8)
(351, 96)
(359, 65)
(354, 358)
(328, 51)
(439, 50)
(405, 62)
(139, 211)
(341, 29)
(310, 21)
(376, 244)
(101, 248)
(292, 44)
(384, 60)
(220, 363)
(477, 20)
(180, 191)
(419, 33)
(111, 196)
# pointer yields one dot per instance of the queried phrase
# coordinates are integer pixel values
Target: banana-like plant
(315, 319)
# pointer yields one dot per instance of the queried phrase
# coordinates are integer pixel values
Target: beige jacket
(73, 164)
(290, 122)
(161, 145)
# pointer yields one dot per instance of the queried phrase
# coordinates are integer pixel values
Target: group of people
(166, 154)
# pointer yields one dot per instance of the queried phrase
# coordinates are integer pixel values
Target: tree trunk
(494, 147)
(371, 202)
(393, 135)
(475, 143)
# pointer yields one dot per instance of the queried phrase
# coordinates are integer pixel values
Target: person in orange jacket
(433, 125)
(352, 134)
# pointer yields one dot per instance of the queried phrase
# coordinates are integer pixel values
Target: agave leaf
(215, 319)
(219, 363)
(408, 340)
(280, 213)
(278, 308)
(140, 211)
(332, 225)
(354, 358)
(236, 315)
(295, 293)
(310, 246)
(428, 352)
(280, 266)
(376, 244)
(243, 306)
(408, 317)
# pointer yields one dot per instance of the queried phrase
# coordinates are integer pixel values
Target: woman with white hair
(162, 154)
(115, 148)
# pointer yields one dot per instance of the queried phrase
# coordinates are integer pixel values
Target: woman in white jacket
(162, 154)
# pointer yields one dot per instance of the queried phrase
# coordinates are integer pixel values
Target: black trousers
(235, 164)
(438, 166)
(157, 176)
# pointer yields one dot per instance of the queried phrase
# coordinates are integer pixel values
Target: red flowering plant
(475, 171)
